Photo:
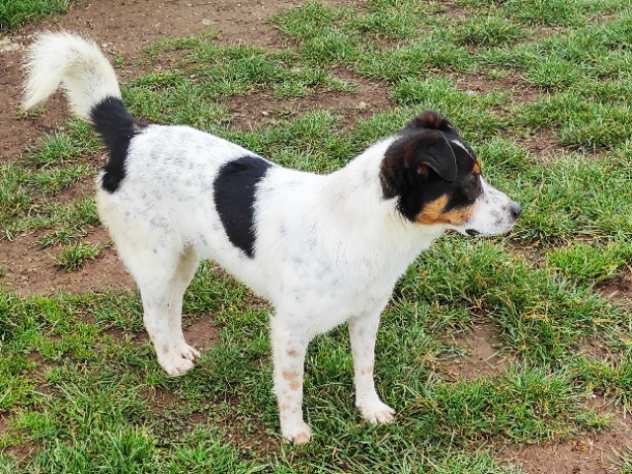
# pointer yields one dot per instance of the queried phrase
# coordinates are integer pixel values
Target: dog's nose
(515, 210)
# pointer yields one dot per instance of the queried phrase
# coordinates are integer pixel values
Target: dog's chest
(322, 294)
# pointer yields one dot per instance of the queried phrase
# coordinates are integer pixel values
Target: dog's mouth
(472, 232)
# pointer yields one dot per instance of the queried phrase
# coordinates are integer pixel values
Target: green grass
(487, 31)
(591, 263)
(74, 257)
(80, 389)
(626, 464)
(14, 13)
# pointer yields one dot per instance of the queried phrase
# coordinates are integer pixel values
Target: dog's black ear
(431, 149)
(409, 158)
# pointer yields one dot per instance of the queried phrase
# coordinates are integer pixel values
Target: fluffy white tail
(78, 65)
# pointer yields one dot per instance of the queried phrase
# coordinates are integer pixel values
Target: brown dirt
(202, 334)
(253, 111)
(595, 347)
(595, 453)
(161, 399)
(484, 358)
(513, 84)
(30, 269)
(80, 189)
(619, 289)
(543, 145)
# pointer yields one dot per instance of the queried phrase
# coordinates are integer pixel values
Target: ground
(506, 355)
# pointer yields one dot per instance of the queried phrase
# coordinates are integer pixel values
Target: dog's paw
(298, 434)
(377, 412)
(188, 352)
(178, 361)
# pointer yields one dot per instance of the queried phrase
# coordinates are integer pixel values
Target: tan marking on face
(476, 170)
(433, 213)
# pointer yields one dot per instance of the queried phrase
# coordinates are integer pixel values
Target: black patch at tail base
(116, 127)
(234, 193)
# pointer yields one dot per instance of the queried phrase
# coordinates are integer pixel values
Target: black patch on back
(234, 192)
(116, 127)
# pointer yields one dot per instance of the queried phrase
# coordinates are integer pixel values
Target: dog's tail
(89, 82)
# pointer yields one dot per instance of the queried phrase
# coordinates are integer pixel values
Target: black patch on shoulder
(234, 192)
(116, 127)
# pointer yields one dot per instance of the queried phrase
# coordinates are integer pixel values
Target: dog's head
(437, 180)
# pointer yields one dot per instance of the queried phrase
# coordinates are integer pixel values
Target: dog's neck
(355, 195)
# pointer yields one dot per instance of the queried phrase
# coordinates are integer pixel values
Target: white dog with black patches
(323, 250)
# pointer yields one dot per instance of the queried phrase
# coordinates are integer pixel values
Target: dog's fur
(323, 250)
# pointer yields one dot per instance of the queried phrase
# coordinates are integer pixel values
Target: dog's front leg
(289, 346)
(362, 332)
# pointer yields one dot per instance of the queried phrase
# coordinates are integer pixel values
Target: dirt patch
(595, 453)
(479, 84)
(253, 111)
(42, 367)
(161, 399)
(4, 423)
(80, 189)
(483, 355)
(595, 347)
(619, 289)
(29, 269)
(543, 146)
(452, 10)
(202, 334)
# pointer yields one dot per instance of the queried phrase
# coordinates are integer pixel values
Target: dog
(322, 249)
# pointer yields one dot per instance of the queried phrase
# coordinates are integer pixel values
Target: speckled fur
(328, 250)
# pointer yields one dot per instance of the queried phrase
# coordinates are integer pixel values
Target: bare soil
(483, 356)
(4, 423)
(253, 111)
(619, 289)
(30, 269)
(202, 334)
(597, 453)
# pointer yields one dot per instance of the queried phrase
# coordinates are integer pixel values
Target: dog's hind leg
(185, 271)
(162, 273)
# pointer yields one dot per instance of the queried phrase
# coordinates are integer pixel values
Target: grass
(80, 390)
(76, 256)
(14, 13)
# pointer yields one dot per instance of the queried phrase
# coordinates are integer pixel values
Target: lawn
(539, 88)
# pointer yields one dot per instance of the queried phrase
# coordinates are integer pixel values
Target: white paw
(188, 352)
(299, 433)
(177, 362)
(377, 412)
